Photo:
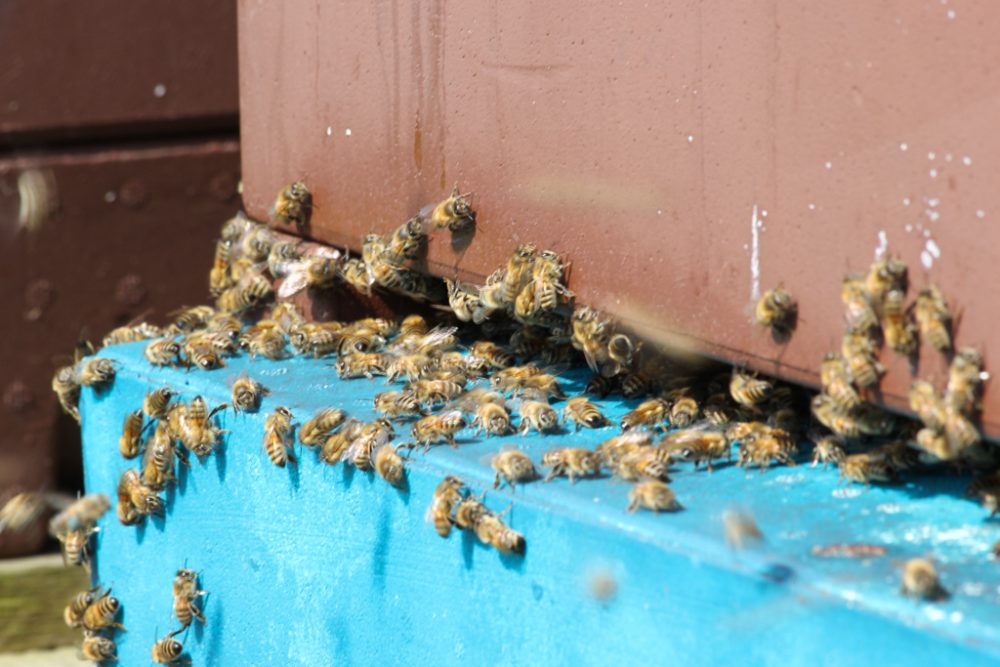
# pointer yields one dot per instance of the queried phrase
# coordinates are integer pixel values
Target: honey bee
(494, 355)
(718, 411)
(898, 455)
(81, 513)
(247, 394)
(463, 299)
(255, 243)
(959, 429)
(920, 581)
(396, 404)
(836, 381)
(683, 412)
(355, 273)
(75, 545)
(749, 391)
(135, 494)
(318, 429)
(454, 213)
(490, 297)
(584, 413)
(830, 415)
(217, 343)
(389, 465)
(778, 311)
(318, 271)
(518, 272)
(492, 418)
(413, 325)
(740, 529)
(97, 373)
(198, 433)
(935, 442)
(411, 366)
(698, 446)
(636, 384)
(130, 333)
(965, 380)
(186, 594)
(873, 420)
(366, 365)
(538, 415)
(168, 651)
(601, 386)
(438, 428)
(293, 205)
(434, 392)
(163, 352)
(447, 496)
(130, 441)
(158, 462)
(547, 276)
(642, 464)
(859, 313)
(652, 495)
(898, 327)
(469, 512)
(282, 258)
(572, 463)
(21, 510)
(611, 451)
(98, 649)
(278, 440)
(316, 339)
(934, 318)
(767, 445)
(191, 318)
(493, 532)
(859, 353)
(866, 468)
(591, 335)
(203, 356)
(336, 446)
(828, 449)
(157, 402)
(370, 438)
(269, 343)
(652, 413)
(884, 276)
(926, 403)
(252, 290)
(101, 613)
(66, 385)
(219, 276)
(513, 467)
(74, 611)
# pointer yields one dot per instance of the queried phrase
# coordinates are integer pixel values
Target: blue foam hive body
(323, 565)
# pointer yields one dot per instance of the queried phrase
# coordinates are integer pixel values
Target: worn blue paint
(320, 565)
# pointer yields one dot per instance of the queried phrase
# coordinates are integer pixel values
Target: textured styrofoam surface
(318, 565)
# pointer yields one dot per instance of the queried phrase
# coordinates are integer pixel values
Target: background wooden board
(685, 156)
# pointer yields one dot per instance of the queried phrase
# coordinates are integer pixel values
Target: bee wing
(325, 252)
(295, 282)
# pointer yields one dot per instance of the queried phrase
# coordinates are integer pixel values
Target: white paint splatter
(755, 256)
(828, 165)
(967, 161)
(933, 202)
(659, 211)
(980, 214)
(947, 157)
(889, 508)
(110, 196)
(926, 259)
(347, 132)
(933, 173)
(951, 14)
(812, 207)
(329, 131)
(883, 245)
(931, 214)
(973, 588)
(931, 155)
(909, 228)
(847, 492)
(159, 90)
(933, 249)
(906, 201)
(955, 616)
(934, 613)
(690, 138)
(903, 147)
(763, 214)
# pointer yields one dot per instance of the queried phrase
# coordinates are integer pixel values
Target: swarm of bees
(447, 382)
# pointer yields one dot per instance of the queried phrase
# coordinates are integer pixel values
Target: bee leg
(119, 626)
(451, 441)
(198, 613)
(552, 474)
(632, 506)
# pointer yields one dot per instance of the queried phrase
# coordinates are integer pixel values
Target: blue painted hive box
(319, 565)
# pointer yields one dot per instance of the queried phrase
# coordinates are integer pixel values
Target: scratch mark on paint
(883, 245)
(755, 225)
